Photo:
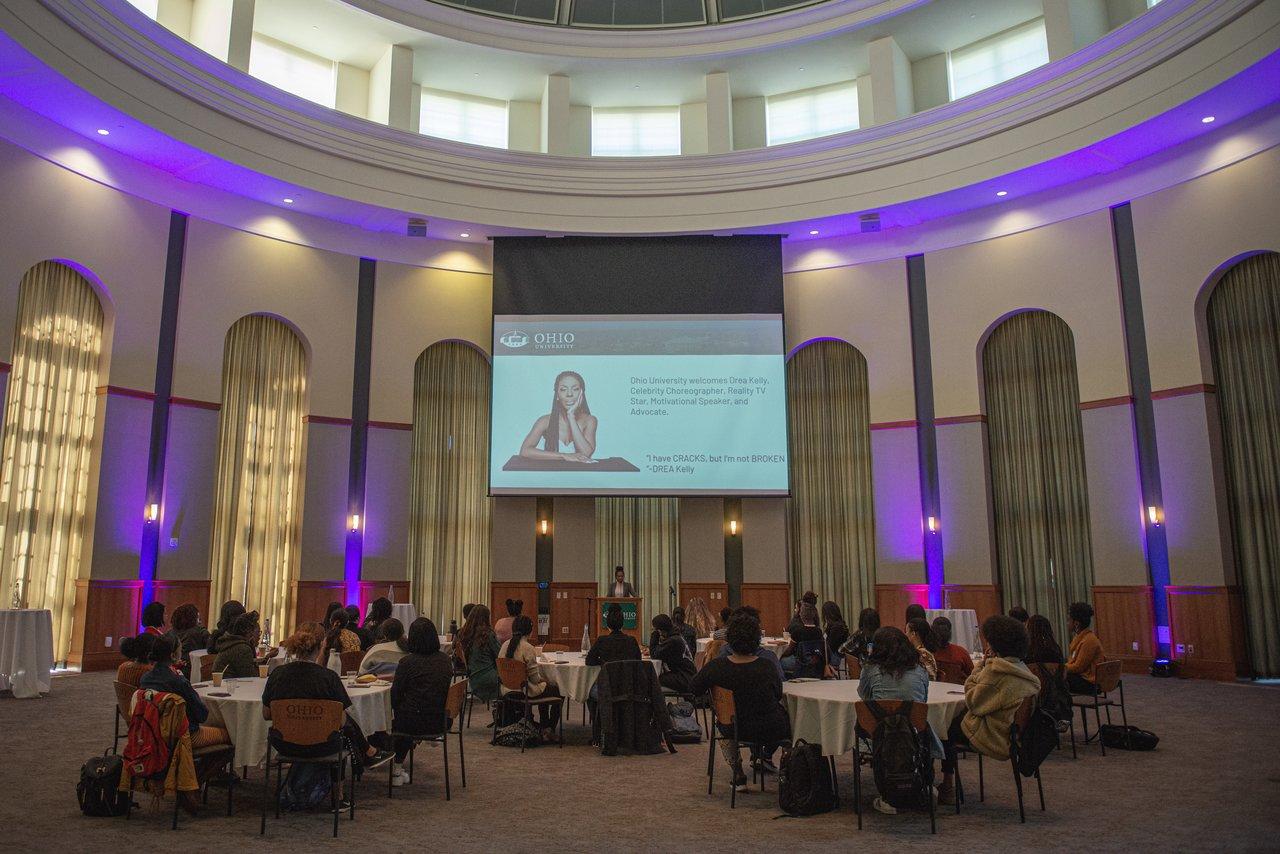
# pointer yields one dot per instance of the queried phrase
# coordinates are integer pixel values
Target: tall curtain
(47, 447)
(642, 535)
(831, 514)
(1035, 443)
(257, 511)
(1244, 338)
(449, 562)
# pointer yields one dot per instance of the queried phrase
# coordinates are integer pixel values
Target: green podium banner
(629, 619)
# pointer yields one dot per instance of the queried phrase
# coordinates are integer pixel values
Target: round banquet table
(775, 644)
(26, 651)
(822, 712)
(569, 672)
(964, 626)
(241, 713)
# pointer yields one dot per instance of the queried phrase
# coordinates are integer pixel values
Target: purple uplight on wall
(354, 558)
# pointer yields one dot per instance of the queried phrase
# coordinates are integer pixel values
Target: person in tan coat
(993, 692)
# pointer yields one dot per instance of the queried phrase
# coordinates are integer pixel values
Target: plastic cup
(262, 671)
(217, 679)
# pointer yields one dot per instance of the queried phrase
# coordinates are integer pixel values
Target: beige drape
(1044, 552)
(831, 514)
(642, 535)
(257, 511)
(47, 447)
(1244, 338)
(449, 563)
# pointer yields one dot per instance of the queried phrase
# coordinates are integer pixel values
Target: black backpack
(805, 786)
(1035, 742)
(1128, 737)
(99, 788)
(900, 760)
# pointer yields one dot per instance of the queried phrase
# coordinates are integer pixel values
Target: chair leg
(835, 783)
(711, 766)
(462, 757)
(333, 797)
(391, 774)
(733, 787)
(444, 752)
(982, 783)
(1098, 720)
(857, 780)
(959, 786)
(1040, 786)
(266, 789)
(230, 786)
(1124, 715)
(1017, 781)
(352, 815)
(1073, 737)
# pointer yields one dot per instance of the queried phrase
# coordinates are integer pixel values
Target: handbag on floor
(685, 728)
(805, 786)
(1128, 737)
(99, 788)
(522, 732)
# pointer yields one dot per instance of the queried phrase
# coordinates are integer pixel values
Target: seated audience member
(757, 695)
(725, 614)
(893, 672)
(137, 654)
(763, 652)
(164, 677)
(835, 630)
(947, 651)
(226, 616)
(1042, 646)
(915, 612)
(382, 658)
(478, 646)
(921, 635)
(1042, 649)
(992, 694)
(189, 634)
(419, 692)
(669, 648)
(340, 637)
(808, 634)
(1085, 653)
(502, 628)
(860, 643)
(536, 685)
(614, 646)
(306, 678)
(237, 658)
(700, 618)
(379, 613)
(1019, 613)
(684, 630)
(153, 618)
(466, 610)
(353, 625)
(811, 598)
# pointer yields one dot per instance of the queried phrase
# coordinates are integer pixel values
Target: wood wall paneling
(1125, 624)
(571, 606)
(1206, 628)
(892, 601)
(501, 591)
(105, 612)
(192, 591)
(370, 590)
(310, 599)
(774, 603)
(715, 594)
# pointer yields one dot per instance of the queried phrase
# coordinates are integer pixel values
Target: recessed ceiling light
(465, 234)
(813, 231)
(802, 68)
(1206, 120)
(1002, 193)
(288, 201)
(103, 132)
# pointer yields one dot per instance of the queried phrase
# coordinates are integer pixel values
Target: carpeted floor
(1212, 785)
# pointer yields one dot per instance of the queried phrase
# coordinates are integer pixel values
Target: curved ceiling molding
(1136, 73)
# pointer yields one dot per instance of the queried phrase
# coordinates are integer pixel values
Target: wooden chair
(206, 667)
(712, 652)
(308, 723)
(867, 723)
(852, 666)
(514, 677)
(950, 671)
(124, 709)
(555, 647)
(1107, 680)
(453, 705)
(724, 714)
(351, 660)
(1021, 718)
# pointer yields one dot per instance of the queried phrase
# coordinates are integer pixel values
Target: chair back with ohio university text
(307, 722)
(512, 673)
(351, 660)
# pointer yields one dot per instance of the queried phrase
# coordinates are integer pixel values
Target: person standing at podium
(620, 586)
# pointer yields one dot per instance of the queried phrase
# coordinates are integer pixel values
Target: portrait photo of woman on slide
(568, 431)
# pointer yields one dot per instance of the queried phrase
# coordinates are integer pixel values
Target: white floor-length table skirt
(26, 652)
(570, 673)
(964, 626)
(241, 713)
(823, 712)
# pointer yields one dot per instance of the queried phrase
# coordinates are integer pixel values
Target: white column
(749, 130)
(524, 119)
(556, 135)
(223, 28)
(891, 93)
(1071, 24)
(693, 128)
(391, 88)
(175, 16)
(352, 92)
(719, 113)
(240, 35)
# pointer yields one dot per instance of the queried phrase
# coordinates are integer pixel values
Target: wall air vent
(417, 228)
(868, 223)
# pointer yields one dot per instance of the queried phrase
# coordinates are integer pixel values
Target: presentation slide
(638, 405)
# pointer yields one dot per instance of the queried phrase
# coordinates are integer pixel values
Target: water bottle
(335, 662)
(586, 639)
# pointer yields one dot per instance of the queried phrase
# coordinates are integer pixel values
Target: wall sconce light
(355, 522)
(152, 513)
(931, 524)
(544, 527)
(1154, 516)
(733, 527)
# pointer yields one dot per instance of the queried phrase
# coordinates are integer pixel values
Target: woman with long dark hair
(478, 646)
(835, 630)
(536, 685)
(502, 627)
(893, 672)
(921, 635)
(860, 643)
(568, 431)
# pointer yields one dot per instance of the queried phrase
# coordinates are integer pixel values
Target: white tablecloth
(405, 613)
(964, 626)
(26, 652)
(823, 712)
(569, 671)
(241, 713)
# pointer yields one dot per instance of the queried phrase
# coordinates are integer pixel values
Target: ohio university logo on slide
(515, 338)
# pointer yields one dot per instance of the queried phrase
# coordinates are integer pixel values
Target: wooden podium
(632, 616)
